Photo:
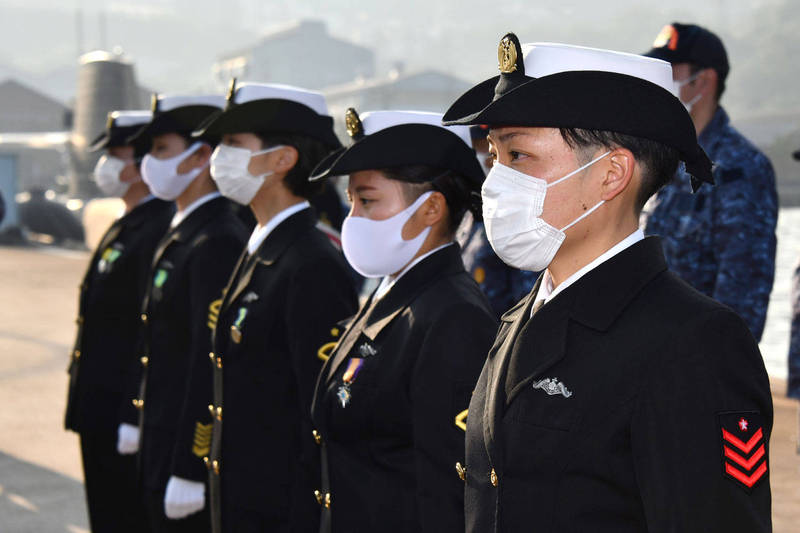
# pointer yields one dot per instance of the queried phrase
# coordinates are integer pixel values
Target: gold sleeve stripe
(461, 420)
(202, 439)
(325, 350)
(213, 313)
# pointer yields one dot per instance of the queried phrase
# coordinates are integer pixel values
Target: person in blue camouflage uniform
(720, 240)
(503, 285)
(793, 383)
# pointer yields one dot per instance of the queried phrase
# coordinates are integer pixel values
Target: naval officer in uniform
(105, 356)
(391, 402)
(189, 271)
(616, 398)
(281, 308)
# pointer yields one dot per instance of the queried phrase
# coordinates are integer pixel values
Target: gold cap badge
(154, 103)
(110, 120)
(507, 55)
(354, 126)
(231, 90)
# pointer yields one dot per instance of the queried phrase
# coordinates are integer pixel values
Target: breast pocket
(538, 429)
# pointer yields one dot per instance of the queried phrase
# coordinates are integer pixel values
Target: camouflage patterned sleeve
(793, 386)
(745, 216)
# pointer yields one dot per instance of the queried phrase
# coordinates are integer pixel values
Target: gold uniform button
(328, 500)
(144, 318)
(462, 472)
(216, 466)
(219, 413)
(207, 462)
(219, 363)
(493, 478)
(317, 436)
(137, 403)
(211, 410)
(211, 356)
(318, 497)
(77, 354)
(144, 360)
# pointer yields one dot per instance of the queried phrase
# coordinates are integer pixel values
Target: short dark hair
(659, 162)
(310, 152)
(694, 69)
(418, 179)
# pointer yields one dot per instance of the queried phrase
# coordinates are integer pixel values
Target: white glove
(184, 497)
(127, 439)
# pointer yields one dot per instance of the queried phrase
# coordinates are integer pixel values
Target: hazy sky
(174, 43)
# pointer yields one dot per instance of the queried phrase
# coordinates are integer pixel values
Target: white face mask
(229, 168)
(375, 248)
(680, 84)
(161, 175)
(107, 176)
(512, 206)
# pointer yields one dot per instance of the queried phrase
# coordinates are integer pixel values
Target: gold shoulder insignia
(202, 439)
(507, 55)
(461, 420)
(213, 313)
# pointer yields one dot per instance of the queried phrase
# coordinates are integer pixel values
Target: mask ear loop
(587, 165)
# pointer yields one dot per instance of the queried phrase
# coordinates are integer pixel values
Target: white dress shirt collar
(546, 290)
(180, 216)
(262, 232)
(388, 281)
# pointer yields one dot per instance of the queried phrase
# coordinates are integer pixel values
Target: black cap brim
(271, 116)
(404, 145)
(182, 120)
(595, 100)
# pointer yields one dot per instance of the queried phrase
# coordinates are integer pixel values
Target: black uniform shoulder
(454, 296)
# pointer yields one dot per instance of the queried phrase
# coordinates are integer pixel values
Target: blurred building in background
(302, 54)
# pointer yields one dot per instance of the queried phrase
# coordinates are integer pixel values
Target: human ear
(287, 159)
(618, 173)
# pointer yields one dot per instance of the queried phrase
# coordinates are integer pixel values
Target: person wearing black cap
(616, 397)
(105, 352)
(280, 311)
(188, 273)
(391, 401)
(722, 239)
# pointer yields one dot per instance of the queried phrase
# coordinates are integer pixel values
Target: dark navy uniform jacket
(277, 323)
(106, 357)
(721, 240)
(392, 447)
(189, 271)
(629, 403)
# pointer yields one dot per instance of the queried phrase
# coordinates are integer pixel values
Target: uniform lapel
(512, 323)
(273, 247)
(381, 313)
(595, 300)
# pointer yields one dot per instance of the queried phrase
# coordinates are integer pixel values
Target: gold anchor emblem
(507, 56)
(354, 126)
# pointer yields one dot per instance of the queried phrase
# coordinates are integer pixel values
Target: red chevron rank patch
(744, 452)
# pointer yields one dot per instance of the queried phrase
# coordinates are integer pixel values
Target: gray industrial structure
(301, 54)
(106, 82)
